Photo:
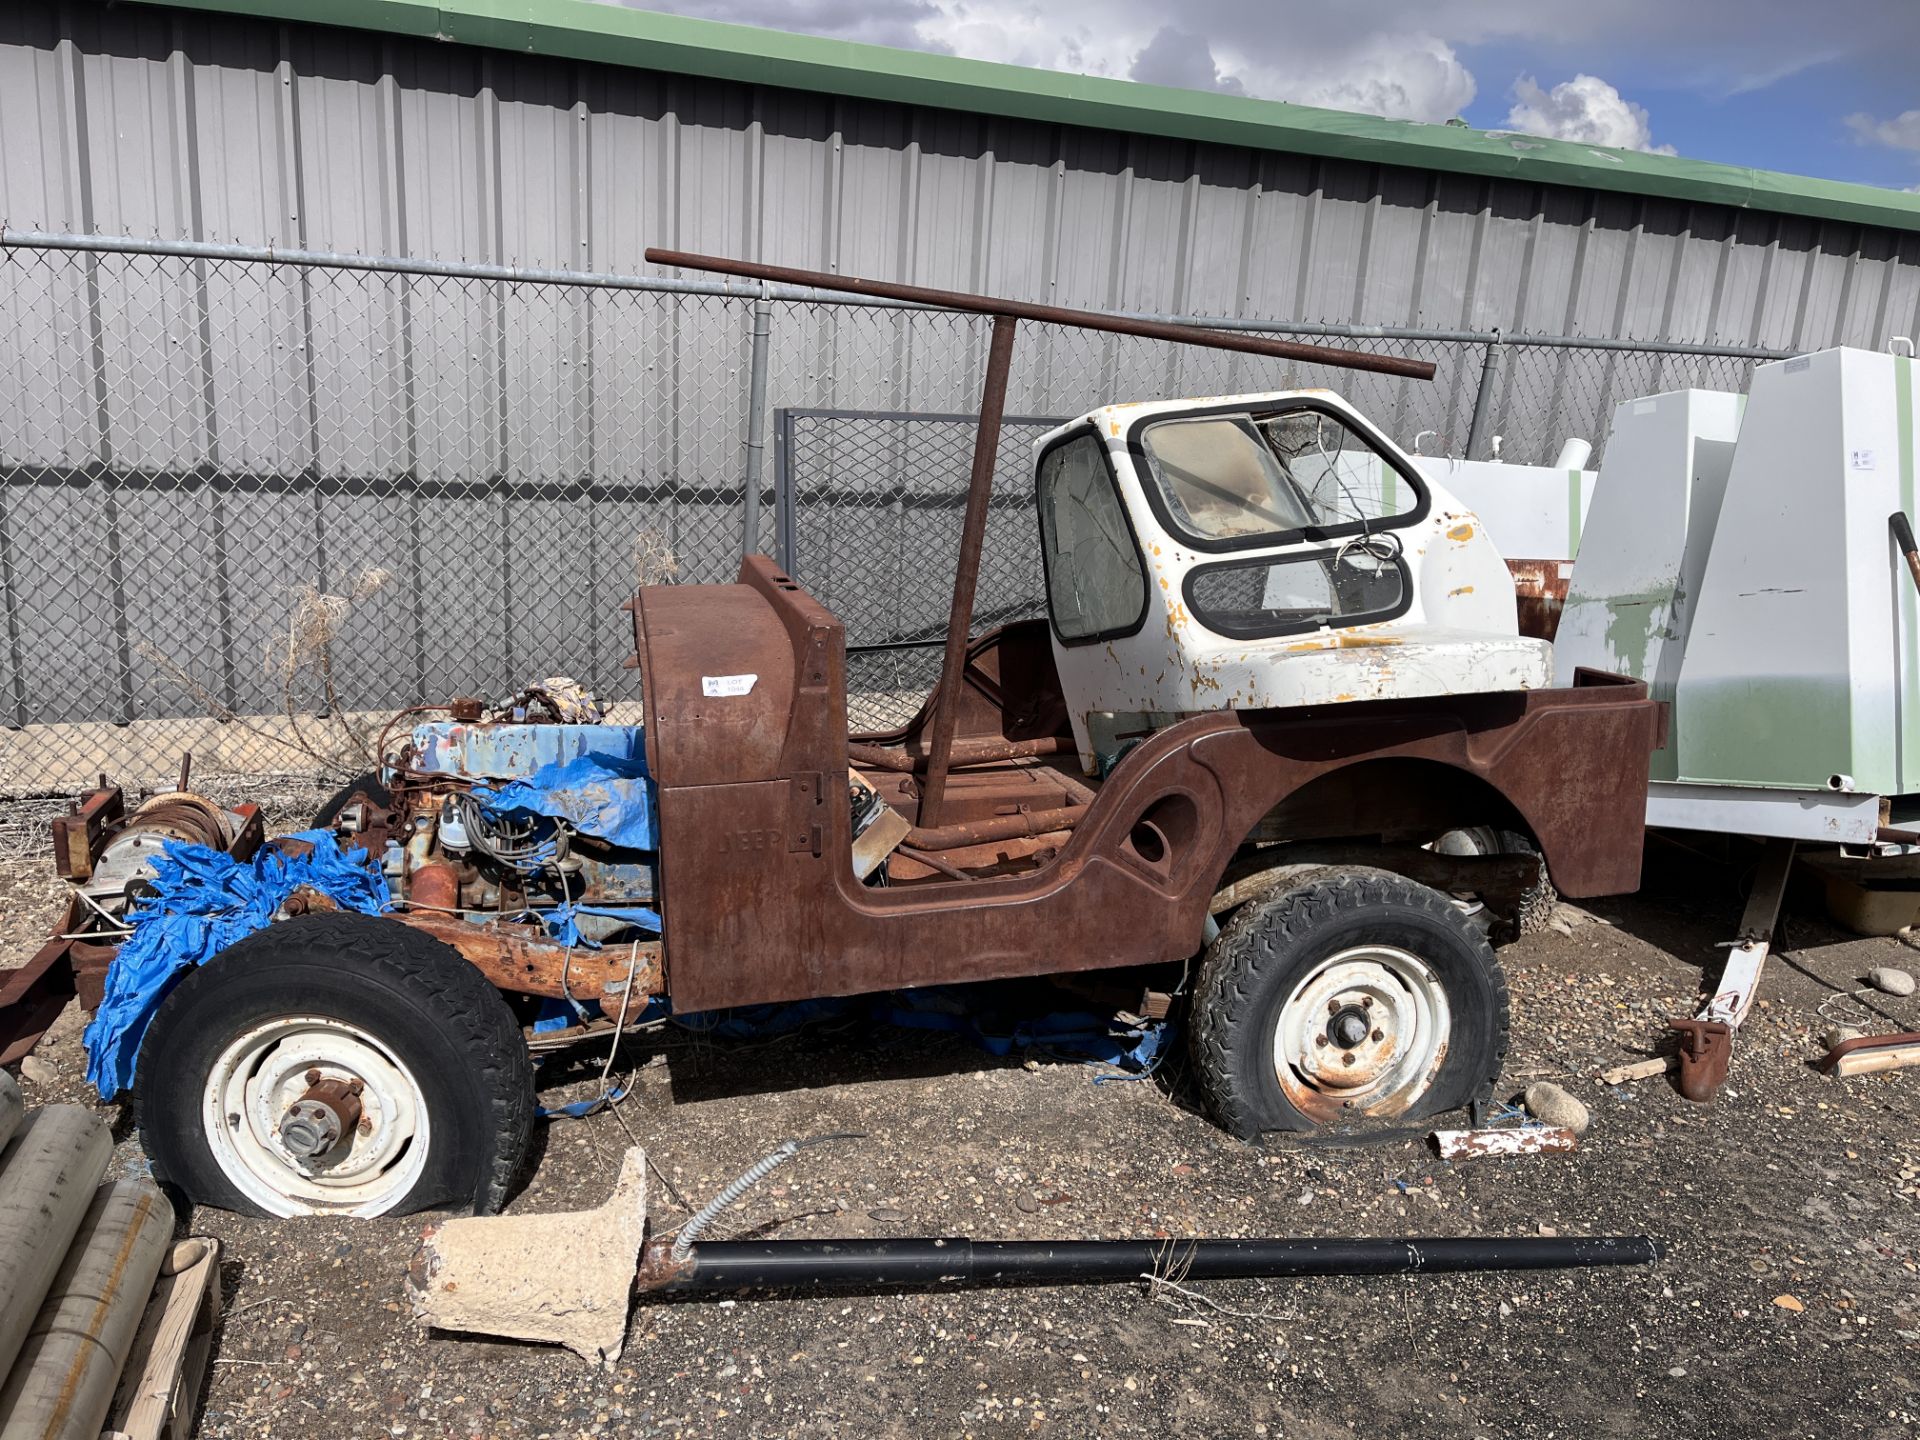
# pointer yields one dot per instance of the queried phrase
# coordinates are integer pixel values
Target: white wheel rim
(1364, 1033)
(265, 1070)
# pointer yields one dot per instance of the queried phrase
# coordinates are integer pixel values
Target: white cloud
(1391, 57)
(872, 22)
(1405, 76)
(1182, 59)
(1902, 132)
(1585, 109)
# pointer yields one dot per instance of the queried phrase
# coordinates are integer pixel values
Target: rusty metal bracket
(1706, 1041)
(1706, 1049)
(32, 996)
(806, 813)
(77, 837)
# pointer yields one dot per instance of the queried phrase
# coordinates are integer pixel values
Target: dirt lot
(1790, 1303)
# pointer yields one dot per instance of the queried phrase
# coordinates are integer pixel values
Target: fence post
(1489, 367)
(756, 422)
(783, 488)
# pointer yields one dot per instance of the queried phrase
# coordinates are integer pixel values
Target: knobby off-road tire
(1346, 962)
(447, 1083)
(1536, 905)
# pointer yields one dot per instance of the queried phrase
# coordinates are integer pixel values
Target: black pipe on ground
(957, 1261)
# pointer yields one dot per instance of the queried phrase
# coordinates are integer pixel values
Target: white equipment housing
(1739, 559)
(1456, 632)
(1533, 512)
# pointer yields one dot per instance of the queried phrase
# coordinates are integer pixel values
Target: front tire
(1355, 993)
(243, 1072)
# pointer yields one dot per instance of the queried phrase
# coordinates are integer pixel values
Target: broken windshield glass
(1242, 476)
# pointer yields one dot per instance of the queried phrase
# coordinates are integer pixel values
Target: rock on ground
(1889, 981)
(1547, 1102)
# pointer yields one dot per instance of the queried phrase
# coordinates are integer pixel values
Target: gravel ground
(1788, 1304)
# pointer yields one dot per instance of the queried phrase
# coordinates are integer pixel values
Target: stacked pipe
(78, 1260)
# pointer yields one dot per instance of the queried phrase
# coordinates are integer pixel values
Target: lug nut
(1378, 1036)
(1320, 1040)
(1366, 1002)
(1333, 1006)
(313, 1077)
(1347, 1059)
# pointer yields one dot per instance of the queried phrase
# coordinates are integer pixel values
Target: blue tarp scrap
(562, 921)
(202, 901)
(603, 795)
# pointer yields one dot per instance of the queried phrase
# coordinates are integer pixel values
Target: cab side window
(1096, 581)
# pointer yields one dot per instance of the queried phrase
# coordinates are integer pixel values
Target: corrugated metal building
(552, 132)
(184, 439)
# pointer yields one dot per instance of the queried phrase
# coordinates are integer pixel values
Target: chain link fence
(251, 503)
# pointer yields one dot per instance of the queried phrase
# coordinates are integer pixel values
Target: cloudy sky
(1830, 89)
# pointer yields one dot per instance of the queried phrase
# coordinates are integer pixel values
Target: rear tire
(1355, 993)
(1536, 905)
(447, 1086)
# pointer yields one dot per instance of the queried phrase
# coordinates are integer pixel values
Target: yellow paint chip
(1364, 642)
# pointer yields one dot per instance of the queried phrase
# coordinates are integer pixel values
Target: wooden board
(159, 1389)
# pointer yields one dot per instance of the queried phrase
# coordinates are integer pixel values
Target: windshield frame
(1274, 539)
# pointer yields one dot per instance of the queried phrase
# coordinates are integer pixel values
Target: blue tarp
(603, 795)
(202, 902)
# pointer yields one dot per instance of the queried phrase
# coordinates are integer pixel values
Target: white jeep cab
(1260, 551)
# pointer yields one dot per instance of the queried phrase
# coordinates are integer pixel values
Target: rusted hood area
(720, 673)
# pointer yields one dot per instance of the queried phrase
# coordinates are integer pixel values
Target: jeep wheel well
(1392, 800)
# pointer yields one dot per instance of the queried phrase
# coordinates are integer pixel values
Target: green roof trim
(614, 34)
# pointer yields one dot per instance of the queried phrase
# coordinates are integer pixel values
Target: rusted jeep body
(759, 897)
(1345, 782)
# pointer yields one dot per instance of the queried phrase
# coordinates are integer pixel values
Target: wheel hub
(1365, 1032)
(309, 1115)
(314, 1124)
(1349, 1028)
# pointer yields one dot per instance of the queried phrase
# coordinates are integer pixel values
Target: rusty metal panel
(719, 676)
(1540, 587)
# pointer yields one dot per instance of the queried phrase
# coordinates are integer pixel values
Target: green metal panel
(613, 34)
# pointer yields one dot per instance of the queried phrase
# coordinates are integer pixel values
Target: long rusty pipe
(999, 827)
(1051, 314)
(966, 578)
(965, 752)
